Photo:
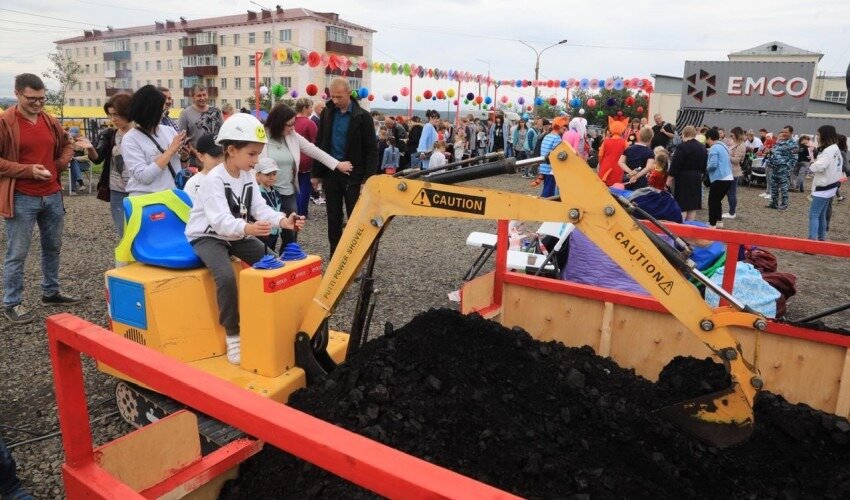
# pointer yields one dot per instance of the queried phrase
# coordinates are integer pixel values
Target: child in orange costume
(611, 150)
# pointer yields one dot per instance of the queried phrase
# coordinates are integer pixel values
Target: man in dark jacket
(346, 132)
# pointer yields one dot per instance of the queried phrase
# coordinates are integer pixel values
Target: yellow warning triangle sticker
(422, 199)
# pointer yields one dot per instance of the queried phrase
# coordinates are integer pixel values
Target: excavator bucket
(722, 419)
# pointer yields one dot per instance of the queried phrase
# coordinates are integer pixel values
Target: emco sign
(777, 86)
(747, 86)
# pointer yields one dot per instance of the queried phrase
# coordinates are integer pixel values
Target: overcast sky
(471, 35)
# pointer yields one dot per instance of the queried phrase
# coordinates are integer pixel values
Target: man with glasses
(34, 150)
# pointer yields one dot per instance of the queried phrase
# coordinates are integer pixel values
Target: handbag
(706, 181)
(103, 193)
(177, 180)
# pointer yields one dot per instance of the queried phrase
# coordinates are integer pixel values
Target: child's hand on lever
(259, 228)
(294, 222)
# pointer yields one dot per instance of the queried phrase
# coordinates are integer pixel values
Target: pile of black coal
(542, 420)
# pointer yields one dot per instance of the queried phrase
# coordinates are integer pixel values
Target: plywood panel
(573, 321)
(477, 293)
(149, 455)
(800, 370)
(842, 406)
(648, 340)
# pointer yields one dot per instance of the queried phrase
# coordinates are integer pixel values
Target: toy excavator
(286, 343)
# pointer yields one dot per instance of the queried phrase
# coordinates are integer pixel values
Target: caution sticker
(450, 201)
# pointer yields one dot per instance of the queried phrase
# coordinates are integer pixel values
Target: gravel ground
(420, 261)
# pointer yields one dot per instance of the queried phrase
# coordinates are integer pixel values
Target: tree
(602, 96)
(266, 102)
(66, 71)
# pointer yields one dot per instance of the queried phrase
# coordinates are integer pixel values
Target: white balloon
(581, 111)
(387, 96)
(264, 90)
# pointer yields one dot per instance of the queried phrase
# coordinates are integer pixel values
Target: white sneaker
(234, 352)
(728, 216)
(764, 195)
(718, 225)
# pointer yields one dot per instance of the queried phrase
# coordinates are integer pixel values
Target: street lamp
(537, 65)
(274, 35)
(488, 77)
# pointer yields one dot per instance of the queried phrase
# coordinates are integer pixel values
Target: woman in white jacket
(285, 147)
(827, 177)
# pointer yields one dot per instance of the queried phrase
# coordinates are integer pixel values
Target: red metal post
(457, 111)
(410, 105)
(258, 57)
(502, 245)
(729, 269)
(372, 465)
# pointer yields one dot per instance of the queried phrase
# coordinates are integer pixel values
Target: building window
(223, 83)
(236, 39)
(237, 60)
(267, 37)
(252, 37)
(170, 83)
(148, 82)
(285, 35)
(94, 50)
(77, 51)
(137, 65)
(836, 96)
(210, 82)
(184, 103)
(159, 83)
(237, 83)
(221, 40)
(339, 35)
(95, 68)
(355, 83)
(159, 65)
(251, 61)
(89, 101)
(68, 53)
(98, 102)
(252, 83)
(267, 81)
(147, 65)
(238, 104)
(97, 85)
(88, 86)
(286, 81)
(87, 51)
(88, 69)
(168, 45)
(72, 101)
(147, 46)
(223, 61)
(156, 46)
(170, 65)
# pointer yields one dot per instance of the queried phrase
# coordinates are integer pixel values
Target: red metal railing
(372, 465)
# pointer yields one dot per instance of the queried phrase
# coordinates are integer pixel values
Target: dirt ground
(420, 261)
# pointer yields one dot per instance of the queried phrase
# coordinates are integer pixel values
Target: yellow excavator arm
(585, 201)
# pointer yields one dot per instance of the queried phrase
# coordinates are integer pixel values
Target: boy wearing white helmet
(229, 213)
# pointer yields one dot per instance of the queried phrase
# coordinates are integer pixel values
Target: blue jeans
(549, 186)
(10, 485)
(49, 213)
(415, 162)
(732, 196)
(304, 189)
(116, 208)
(77, 168)
(817, 218)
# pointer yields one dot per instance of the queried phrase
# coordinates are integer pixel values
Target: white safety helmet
(241, 127)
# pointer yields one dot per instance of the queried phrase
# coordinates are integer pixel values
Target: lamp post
(274, 36)
(488, 78)
(537, 64)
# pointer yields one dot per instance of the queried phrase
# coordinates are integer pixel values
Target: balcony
(343, 48)
(200, 50)
(125, 74)
(211, 91)
(200, 71)
(113, 91)
(120, 55)
(109, 73)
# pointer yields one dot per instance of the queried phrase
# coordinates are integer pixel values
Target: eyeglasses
(34, 100)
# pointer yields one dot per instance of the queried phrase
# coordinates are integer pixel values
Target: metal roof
(776, 48)
(189, 25)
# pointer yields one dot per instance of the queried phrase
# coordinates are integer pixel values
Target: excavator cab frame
(723, 418)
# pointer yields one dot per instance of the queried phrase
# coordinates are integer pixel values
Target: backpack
(181, 178)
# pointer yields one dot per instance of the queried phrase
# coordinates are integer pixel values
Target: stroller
(754, 171)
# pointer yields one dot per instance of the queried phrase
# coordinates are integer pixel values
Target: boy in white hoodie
(229, 213)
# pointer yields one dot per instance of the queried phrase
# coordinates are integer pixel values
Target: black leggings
(716, 193)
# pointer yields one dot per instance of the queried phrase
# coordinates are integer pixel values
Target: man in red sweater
(34, 150)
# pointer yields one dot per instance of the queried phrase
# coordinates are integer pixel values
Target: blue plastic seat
(160, 240)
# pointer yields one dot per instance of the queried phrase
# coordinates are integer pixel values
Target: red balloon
(640, 109)
(553, 101)
(427, 94)
(371, 97)
(479, 99)
(312, 89)
(529, 107)
(550, 84)
(630, 101)
(455, 102)
(314, 59)
(441, 95)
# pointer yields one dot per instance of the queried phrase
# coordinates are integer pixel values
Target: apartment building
(218, 52)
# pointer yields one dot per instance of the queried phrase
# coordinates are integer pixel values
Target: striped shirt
(550, 142)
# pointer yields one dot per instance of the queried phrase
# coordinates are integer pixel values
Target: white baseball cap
(266, 166)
